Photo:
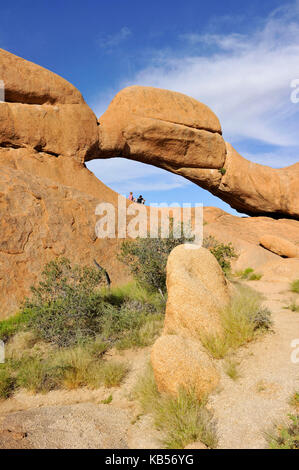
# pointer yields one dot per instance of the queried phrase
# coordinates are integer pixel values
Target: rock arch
(172, 131)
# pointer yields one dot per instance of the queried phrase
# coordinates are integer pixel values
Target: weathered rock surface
(197, 289)
(82, 426)
(280, 246)
(179, 134)
(43, 111)
(43, 216)
(180, 362)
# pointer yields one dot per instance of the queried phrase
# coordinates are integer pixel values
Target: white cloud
(113, 40)
(245, 80)
(127, 175)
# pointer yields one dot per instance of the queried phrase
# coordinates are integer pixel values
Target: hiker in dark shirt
(140, 200)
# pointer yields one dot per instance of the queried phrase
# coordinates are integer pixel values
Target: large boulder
(280, 246)
(197, 290)
(180, 363)
(42, 111)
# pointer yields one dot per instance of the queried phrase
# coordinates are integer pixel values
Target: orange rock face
(43, 111)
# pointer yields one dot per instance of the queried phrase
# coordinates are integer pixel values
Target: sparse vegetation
(241, 320)
(285, 436)
(107, 400)
(12, 325)
(60, 337)
(249, 275)
(70, 307)
(182, 419)
(223, 253)
(147, 258)
(293, 306)
(295, 286)
(6, 382)
(294, 400)
(231, 369)
(67, 368)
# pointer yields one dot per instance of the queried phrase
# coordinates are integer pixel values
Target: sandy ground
(244, 409)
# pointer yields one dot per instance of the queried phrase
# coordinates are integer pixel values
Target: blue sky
(237, 57)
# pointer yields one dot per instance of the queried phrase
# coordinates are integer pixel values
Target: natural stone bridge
(48, 196)
(44, 113)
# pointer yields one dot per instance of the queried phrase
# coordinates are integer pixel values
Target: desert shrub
(66, 308)
(222, 252)
(147, 258)
(61, 279)
(285, 436)
(182, 419)
(133, 324)
(7, 382)
(295, 286)
(249, 275)
(70, 320)
(293, 306)
(241, 320)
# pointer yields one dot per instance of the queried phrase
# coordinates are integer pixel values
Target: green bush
(223, 253)
(295, 286)
(147, 258)
(249, 275)
(66, 308)
(294, 307)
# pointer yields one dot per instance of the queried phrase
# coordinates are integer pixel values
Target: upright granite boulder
(197, 290)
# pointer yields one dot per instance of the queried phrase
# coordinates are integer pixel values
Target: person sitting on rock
(140, 200)
(131, 198)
